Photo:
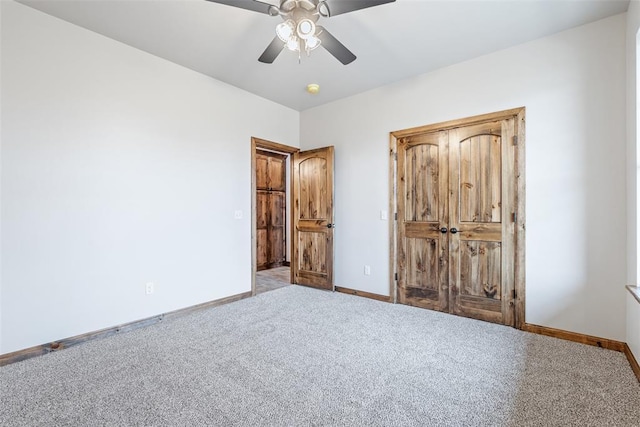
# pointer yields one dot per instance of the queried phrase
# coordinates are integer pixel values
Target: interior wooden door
(423, 215)
(482, 225)
(262, 229)
(313, 220)
(277, 243)
(270, 210)
(456, 199)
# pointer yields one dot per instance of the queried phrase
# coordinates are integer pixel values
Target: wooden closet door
(423, 216)
(262, 229)
(270, 209)
(456, 200)
(481, 230)
(262, 170)
(277, 249)
(277, 172)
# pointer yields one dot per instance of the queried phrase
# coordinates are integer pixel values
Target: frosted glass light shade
(312, 43)
(306, 28)
(293, 44)
(285, 30)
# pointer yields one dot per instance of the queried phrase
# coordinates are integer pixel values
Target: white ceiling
(392, 42)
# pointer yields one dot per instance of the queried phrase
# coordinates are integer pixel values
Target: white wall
(632, 26)
(573, 86)
(633, 325)
(633, 307)
(118, 168)
(0, 184)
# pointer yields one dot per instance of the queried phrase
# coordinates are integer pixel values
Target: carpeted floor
(299, 356)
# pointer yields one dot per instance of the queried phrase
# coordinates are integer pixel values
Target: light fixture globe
(285, 30)
(306, 28)
(313, 88)
(311, 43)
(293, 44)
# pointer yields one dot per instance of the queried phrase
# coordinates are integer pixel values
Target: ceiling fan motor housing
(289, 5)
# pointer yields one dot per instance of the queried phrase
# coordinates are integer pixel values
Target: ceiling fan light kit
(299, 30)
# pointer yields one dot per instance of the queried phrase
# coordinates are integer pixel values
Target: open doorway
(270, 215)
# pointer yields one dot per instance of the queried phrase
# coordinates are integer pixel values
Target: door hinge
(395, 156)
(514, 294)
(395, 216)
(515, 139)
(515, 217)
(396, 276)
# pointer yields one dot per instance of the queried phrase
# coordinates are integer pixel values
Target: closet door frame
(518, 203)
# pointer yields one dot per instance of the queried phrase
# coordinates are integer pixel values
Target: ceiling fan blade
(338, 7)
(334, 47)
(272, 51)
(254, 5)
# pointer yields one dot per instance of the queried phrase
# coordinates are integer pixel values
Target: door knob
(443, 230)
(331, 225)
(453, 230)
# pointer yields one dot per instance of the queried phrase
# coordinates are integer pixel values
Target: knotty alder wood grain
(270, 209)
(481, 282)
(458, 176)
(521, 213)
(312, 262)
(422, 209)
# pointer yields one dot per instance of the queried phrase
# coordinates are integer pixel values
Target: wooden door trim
(519, 202)
(258, 143)
(451, 124)
(519, 266)
(393, 219)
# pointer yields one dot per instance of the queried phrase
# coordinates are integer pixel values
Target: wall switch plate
(237, 214)
(149, 288)
(384, 216)
(367, 270)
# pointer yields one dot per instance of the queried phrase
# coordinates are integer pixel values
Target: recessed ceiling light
(313, 88)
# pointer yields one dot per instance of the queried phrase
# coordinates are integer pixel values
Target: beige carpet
(303, 357)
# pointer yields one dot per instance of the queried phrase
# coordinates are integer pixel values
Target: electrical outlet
(237, 214)
(367, 270)
(384, 216)
(149, 288)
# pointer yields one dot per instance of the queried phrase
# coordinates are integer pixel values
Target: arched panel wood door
(456, 195)
(312, 199)
(423, 165)
(481, 252)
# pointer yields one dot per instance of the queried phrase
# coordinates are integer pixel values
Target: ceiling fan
(298, 32)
